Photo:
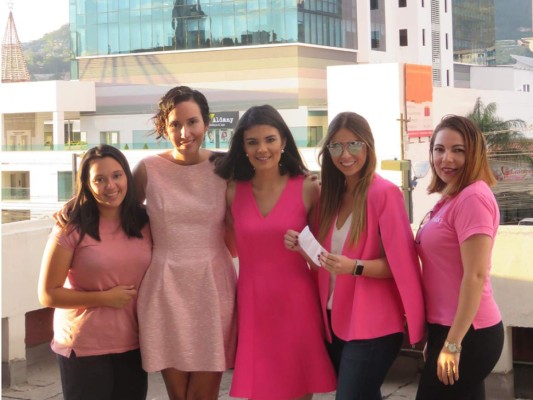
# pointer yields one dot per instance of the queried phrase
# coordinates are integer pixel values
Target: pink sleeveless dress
(186, 305)
(281, 351)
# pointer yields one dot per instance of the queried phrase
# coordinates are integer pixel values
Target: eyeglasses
(354, 148)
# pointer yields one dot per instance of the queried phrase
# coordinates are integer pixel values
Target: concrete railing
(23, 244)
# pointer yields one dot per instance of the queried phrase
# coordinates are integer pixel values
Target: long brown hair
(334, 181)
(83, 214)
(476, 160)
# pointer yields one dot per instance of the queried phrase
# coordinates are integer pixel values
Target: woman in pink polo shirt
(91, 270)
(369, 283)
(465, 334)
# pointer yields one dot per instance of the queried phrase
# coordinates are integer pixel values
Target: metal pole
(74, 171)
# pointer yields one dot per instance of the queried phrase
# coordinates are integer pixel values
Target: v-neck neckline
(256, 205)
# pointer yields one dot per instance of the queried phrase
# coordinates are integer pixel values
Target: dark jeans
(105, 377)
(481, 351)
(362, 365)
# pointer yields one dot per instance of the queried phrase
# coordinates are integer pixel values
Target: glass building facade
(101, 27)
(474, 35)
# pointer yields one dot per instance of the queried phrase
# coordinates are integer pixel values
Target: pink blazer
(365, 308)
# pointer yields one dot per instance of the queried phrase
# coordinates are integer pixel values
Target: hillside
(48, 58)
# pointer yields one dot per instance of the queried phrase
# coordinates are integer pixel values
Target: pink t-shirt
(473, 211)
(115, 260)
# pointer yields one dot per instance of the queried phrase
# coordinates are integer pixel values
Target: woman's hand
(119, 296)
(291, 240)
(337, 264)
(448, 367)
(61, 217)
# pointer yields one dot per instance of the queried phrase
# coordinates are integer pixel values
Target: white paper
(310, 245)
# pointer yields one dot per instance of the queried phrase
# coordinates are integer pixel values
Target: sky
(34, 18)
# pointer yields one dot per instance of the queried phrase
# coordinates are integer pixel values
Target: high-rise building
(474, 38)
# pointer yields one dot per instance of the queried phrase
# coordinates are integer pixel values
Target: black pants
(105, 377)
(362, 365)
(481, 351)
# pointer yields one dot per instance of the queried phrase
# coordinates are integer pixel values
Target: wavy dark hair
(83, 214)
(476, 159)
(334, 181)
(170, 100)
(235, 165)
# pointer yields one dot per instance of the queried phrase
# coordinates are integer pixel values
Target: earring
(282, 151)
(246, 155)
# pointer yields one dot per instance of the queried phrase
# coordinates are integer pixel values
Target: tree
(504, 138)
(510, 156)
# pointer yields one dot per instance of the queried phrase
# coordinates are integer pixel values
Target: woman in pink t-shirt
(465, 333)
(91, 270)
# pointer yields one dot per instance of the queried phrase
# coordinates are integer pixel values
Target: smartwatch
(358, 270)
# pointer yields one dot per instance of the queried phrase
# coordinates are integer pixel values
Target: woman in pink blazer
(369, 277)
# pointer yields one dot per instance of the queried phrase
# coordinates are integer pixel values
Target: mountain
(48, 58)
(513, 19)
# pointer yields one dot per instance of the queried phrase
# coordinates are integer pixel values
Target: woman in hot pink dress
(281, 351)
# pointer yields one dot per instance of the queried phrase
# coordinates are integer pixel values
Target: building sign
(418, 100)
(224, 120)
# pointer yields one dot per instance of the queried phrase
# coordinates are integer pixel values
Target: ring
(449, 372)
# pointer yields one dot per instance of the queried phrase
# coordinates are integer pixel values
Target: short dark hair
(235, 165)
(83, 214)
(170, 100)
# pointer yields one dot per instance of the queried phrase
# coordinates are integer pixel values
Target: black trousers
(481, 351)
(105, 377)
(362, 365)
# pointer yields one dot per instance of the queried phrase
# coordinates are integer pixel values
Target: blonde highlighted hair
(334, 181)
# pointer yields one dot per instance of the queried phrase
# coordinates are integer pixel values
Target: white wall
(124, 124)
(492, 78)
(374, 91)
(47, 96)
(510, 104)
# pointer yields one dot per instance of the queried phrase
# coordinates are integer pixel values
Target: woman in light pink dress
(186, 302)
(281, 351)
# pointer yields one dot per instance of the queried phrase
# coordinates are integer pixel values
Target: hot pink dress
(281, 351)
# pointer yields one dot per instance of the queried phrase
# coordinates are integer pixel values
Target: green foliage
(504, 138)
(48, 58)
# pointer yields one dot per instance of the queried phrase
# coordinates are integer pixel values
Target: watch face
(452, 347)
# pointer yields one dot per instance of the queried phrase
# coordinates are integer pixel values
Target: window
(447, 77)
(402, 3)
(445, 6)
(375, 39)
(110, 137)
(64, 185)
(446, 41)
(422, 3)
(314, 136)
(403, 37)
(423, 37)
(15, 185)
(525, 87)
(374, 4)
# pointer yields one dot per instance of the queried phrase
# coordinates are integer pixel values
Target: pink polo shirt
(473, 211)
(98, 266)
